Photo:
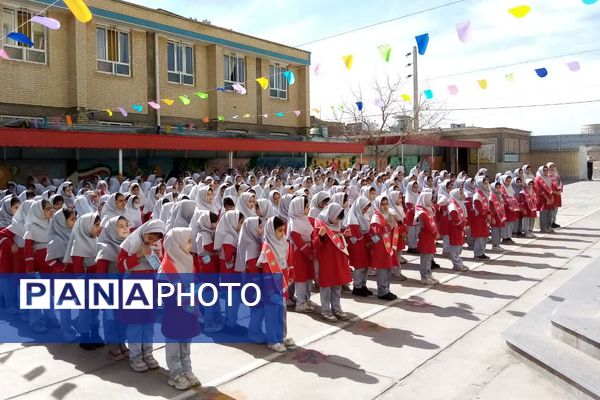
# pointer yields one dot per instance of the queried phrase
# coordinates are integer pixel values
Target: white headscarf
(181, 214)
(425, 203)
(509, 189)
(546, 178)
(279, 246)
(315, 210)
(69, 200)
(36, 225)
(457, 202)
(58, 235)
(242, 205)
(284, 206)
(173, 246)
(202, 200)
(81, 242)
(6, 216)
(398, 210)
(135, 240)
(110, 210)
(249, 243)
(411, 197)
(266, 208)
(18, 222)
(356, 217)
(298, 222)
(226, 232)
(202, 232)
(165, 212)
(109, 242)
(134, 215)
(329, 213)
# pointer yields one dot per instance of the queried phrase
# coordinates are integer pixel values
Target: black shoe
(345, 288)
(482, 257)
(367, 291)
(360, 292)
(388, 297)
(508, 241)
(435, 265)
(555, 225)
(519, 234)
(412, 251)
(85, 342)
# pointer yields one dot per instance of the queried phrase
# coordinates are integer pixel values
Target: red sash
(513, 204)
(531, 204)
(389, 241)
(337, 240)
(484, 201)
(498, 207)
(273, 267)
(454, 206)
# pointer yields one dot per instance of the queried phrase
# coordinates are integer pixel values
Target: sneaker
(482, 257)
(388, 297)
(192, 379)
(435, 265)
(360, 292)
(329, 317)
(555, 225)
(461, 268)
(368, 291)
(303, 308)
(433, 279)
(497, 248)
(529, 235)
(290, 303)
(289, 342)
(277, 347)
(398, 275)
(340, 315)
(124, 348)
(180, 382)
(138, 366)
(429, 281)
(508, 241)
(346, 288)
(371, 272)
(117, 354)
(312, 304)
(151, 361)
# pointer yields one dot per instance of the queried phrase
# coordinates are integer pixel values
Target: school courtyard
(443, 342)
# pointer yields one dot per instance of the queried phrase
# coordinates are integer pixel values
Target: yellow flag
(405, 97)
(168, 102)
(185, 99)
(263, 82)
(482, 83)
(348, 61)
(109, 112)
(520, 11)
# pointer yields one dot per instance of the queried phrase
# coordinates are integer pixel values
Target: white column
(231, 159)
(120, 161)
(305, 160)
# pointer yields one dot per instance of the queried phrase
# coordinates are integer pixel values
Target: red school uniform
(442, 221)
(528, 204)
(227, 259)
(301, 256)
(511, 206)
(557, 188)
(35, 259)
(428, 233)
(208, 262)
(497, 211)
(8, 259)
(358, 247)
(481, 211)
(543, 192)
(457, 224)
(331, 251)
(384, 239)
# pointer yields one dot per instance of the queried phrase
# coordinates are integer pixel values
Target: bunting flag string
(348, 59)
(422, 43)
(520, 11)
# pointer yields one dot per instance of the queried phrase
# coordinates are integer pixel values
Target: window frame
(181, 73)
(25, 50)
(113, 64)
(277, 82)
(227, 83)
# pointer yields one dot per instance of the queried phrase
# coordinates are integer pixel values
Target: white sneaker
(192, 379)
(329, 317)
(398, 275)
(289, 342)
(303, 308)
(529, 235)
(497, 248)
(138, 366)
(461, 268)
(151, 361)
(180, 382)
(429, 281)
(278, 347)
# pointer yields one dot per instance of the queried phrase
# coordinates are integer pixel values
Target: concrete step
(568, 357)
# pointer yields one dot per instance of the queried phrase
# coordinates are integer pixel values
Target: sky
(552, 28)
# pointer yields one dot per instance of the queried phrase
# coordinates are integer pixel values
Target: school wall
(566, 161)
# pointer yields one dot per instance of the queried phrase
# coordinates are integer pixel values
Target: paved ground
(438, 343)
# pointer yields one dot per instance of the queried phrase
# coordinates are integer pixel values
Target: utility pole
(415, 76)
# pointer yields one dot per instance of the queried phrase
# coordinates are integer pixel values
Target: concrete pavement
(440, 342)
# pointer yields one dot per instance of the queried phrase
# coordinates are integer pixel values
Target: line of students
(320, 228)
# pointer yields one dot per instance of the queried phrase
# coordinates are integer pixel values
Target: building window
(277, 82)
(113, 51)
(18, 21)
(235, 71)
(180, 63)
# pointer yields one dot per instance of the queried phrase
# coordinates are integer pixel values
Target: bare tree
(390, 124)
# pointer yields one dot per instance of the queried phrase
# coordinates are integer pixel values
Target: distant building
(591, 129)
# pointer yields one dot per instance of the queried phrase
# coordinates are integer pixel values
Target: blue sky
(552, 28)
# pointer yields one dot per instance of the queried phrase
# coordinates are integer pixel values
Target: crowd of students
(321, 229)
